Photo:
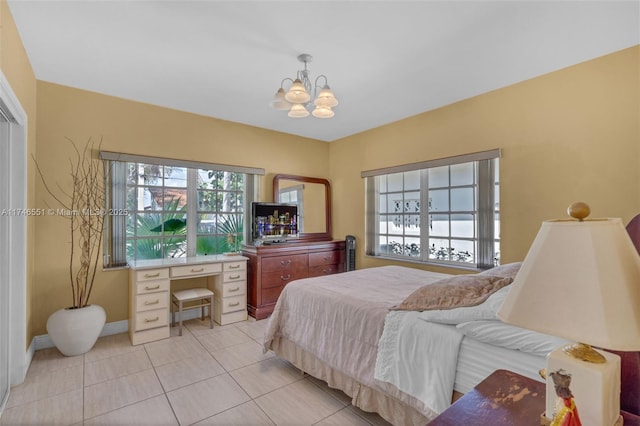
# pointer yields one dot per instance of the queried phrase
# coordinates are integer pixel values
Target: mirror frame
(308, 236)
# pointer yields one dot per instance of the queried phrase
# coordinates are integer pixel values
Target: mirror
(313, 196)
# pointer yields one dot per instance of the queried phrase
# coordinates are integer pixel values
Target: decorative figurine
(566, 411)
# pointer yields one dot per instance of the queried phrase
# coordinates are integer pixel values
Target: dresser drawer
(195, 270)
(325, 258)
(317, 271)
(231, 304)
(152, 274)
(234, 266)
(270, 295)
(233, 289)
(151, 319)
(228, 277)
(278, 263)
(150, 301)
(280, 278)
(151, 287)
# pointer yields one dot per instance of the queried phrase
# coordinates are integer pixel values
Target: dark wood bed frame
(630, 389)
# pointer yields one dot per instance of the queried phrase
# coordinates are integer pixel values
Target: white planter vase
(75, 331)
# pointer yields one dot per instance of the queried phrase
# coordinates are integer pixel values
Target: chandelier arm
(326, 82)
(285, 79)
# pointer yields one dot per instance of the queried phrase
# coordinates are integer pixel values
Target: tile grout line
(164, 391)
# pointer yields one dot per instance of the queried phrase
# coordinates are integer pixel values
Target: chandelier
(297, 100)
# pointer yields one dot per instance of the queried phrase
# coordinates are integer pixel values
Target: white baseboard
(44, 341)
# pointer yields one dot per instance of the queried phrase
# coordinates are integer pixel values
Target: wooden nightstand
(503, 398)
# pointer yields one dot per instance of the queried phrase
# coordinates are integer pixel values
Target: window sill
(460, 267)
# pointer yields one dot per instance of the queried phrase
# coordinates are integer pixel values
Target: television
(273, 222)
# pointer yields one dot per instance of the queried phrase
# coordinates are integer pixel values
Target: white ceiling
(384, 60)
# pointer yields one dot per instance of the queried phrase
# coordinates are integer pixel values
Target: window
(293, 195)
(442, 211)
(168, 208)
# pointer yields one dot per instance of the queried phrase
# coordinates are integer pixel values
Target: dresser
(271, 267)
(150, 291)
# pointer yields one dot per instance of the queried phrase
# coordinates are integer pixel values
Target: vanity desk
(150, 291)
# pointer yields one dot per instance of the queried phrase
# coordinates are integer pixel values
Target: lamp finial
(579, 210)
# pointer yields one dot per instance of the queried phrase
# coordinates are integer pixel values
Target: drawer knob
(285, 278)
(197, 270)
(285, 262)
(234, 289)
(234, 266)
(234, 277)
(234, 304)
(155, 302)
(152, 288)
(151, 319)
(157, 274)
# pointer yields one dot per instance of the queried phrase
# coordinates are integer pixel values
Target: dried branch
(84, 206)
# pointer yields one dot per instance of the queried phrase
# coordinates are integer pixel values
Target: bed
(333, 328)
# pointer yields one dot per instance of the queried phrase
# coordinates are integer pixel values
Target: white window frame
(116, 186)
(485, 211)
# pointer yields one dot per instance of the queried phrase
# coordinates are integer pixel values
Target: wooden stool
(189, 295)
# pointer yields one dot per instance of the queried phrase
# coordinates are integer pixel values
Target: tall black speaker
(350, 258)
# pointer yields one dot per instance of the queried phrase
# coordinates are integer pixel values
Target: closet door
(5, 211)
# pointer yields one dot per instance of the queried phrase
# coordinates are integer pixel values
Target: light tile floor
(204, 377)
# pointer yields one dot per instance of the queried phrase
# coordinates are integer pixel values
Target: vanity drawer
(151, 287)
(152, 274)
(279, 263)
(151, 319)
(231, 304)
(234, 266)
(195, 270)
(150, 301)
(228, 277)
(233, 289)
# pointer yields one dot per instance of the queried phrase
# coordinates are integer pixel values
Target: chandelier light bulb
(325, 98)
(297, 94)
(323, 112)
(279, 102)
(298, 111)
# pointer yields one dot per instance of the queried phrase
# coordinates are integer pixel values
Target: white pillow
(497, 333)
(485, 311)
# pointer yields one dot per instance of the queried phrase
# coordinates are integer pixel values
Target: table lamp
(581, 281)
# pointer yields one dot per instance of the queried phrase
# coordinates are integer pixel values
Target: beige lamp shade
(323, 112)
(325, 98)
(581, 281)
(298, 111)
(279, 102)
(297, 94)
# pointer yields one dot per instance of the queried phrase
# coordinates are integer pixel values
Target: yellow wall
(17, 69)
(138, 128)
(570, 135)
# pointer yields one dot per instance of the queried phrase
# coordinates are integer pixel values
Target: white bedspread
(419, 358)
(339, 318)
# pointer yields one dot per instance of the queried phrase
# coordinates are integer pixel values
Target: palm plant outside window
(158, 200)
(175, 209)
